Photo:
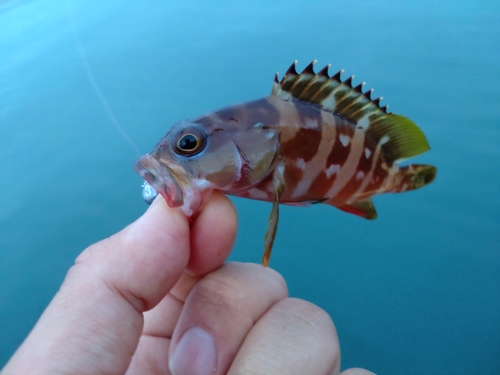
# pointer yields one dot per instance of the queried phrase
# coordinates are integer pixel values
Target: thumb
(94, 322)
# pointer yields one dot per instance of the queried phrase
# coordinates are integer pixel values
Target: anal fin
(364, 208)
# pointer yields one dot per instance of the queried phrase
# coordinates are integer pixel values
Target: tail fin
(412, 177)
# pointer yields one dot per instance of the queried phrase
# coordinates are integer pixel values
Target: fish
(315, 139)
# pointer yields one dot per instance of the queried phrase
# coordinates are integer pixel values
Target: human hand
(156, 299)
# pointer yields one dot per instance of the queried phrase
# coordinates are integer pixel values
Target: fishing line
(93, 82)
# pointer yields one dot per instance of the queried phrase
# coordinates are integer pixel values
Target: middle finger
(218, 314)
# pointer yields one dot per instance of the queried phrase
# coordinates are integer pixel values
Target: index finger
(94, 322)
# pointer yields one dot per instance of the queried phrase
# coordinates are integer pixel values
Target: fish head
(194, 158)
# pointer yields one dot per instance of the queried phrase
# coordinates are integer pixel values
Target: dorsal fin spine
(336, 77)
(320, 90)
(291, 70)
(324, 72)
(361, 109)
(289, 78)
(359, 87)
(309, 69)
(338, 106)
(360, 97)
(337, 88)
(304, 76)
(321, 80)
(348, 81)
(375, 120)
(368, 94)
(288, 81)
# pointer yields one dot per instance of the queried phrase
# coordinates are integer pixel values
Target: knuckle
(239, 290)
(312, 316)
(221, 293)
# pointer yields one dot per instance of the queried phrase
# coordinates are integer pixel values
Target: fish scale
(315, 139)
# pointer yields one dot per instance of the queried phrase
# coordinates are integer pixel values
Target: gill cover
(257, 148)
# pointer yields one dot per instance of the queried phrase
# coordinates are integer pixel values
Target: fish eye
(190, 143)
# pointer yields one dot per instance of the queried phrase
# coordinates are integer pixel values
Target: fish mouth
(161, 178)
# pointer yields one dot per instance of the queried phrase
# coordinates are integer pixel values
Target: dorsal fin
(331, 93)
(398, 136)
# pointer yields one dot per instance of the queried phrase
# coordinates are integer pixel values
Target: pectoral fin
(278, 186)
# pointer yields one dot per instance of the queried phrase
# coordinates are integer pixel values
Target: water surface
(414, 292)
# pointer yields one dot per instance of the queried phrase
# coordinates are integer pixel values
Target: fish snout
(161, 179)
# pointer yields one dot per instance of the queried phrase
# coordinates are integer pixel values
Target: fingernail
(195, 354)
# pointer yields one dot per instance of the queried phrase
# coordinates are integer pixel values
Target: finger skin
(293, 337)
(356, 371)
(210, 248)
(226, 304)
(147, 360)
(95, 320)
(94, 323)
(212, 236)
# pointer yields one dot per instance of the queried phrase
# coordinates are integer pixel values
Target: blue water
(415, 292)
